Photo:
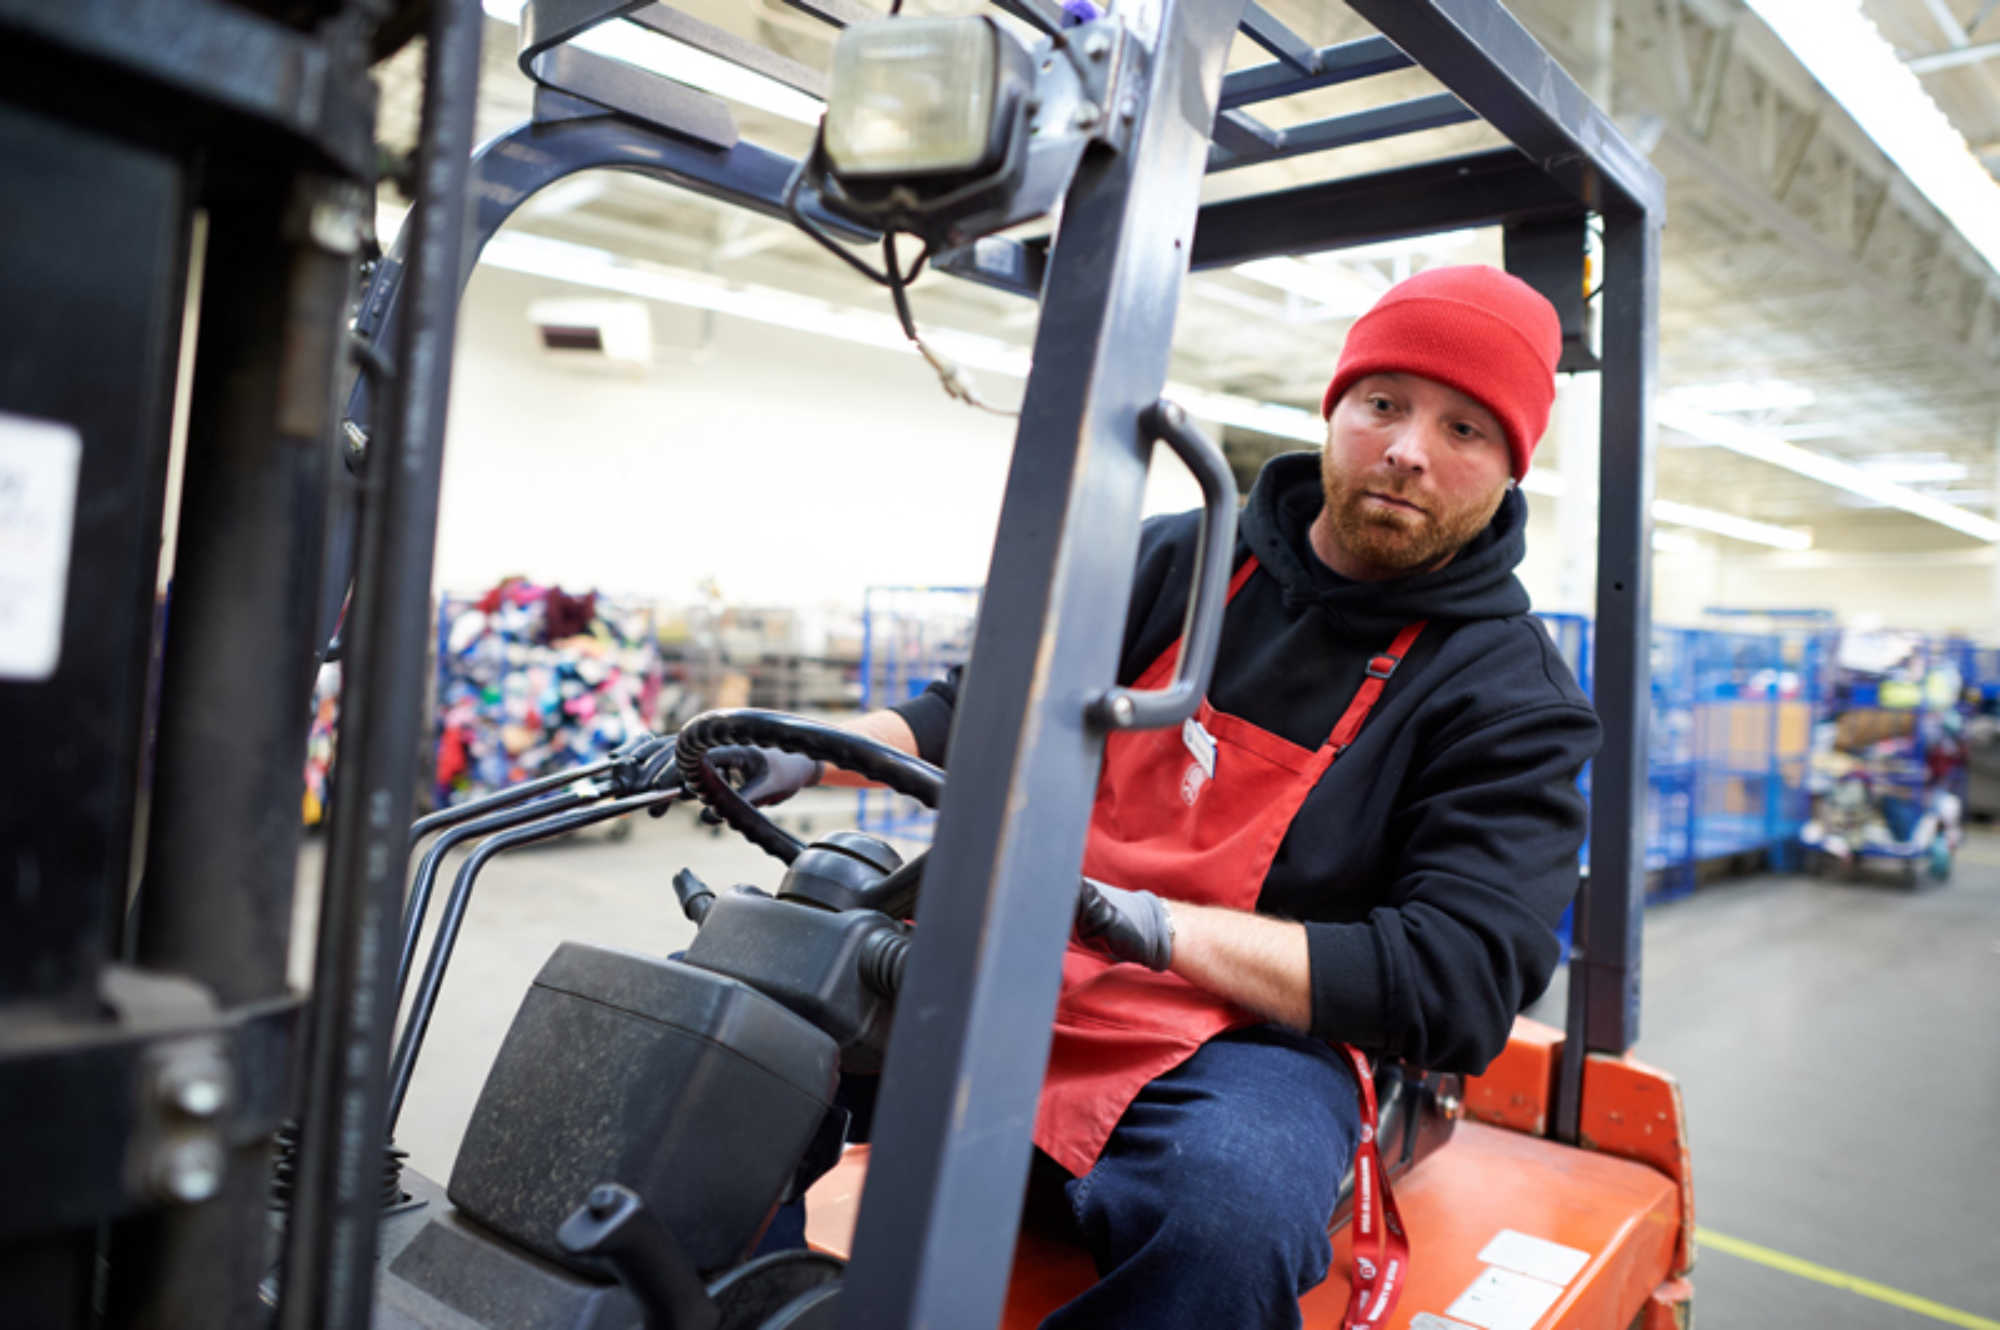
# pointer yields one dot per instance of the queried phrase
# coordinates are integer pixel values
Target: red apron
(1193, 814)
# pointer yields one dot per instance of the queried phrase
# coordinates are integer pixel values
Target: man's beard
(1399, 541)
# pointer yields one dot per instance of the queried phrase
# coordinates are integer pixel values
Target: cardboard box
(1858, 730)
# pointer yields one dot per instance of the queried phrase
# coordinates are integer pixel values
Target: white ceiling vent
(595, 335)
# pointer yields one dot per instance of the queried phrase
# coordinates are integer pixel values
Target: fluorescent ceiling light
(1740, 438)
(660, 54)
(1674, 542)
(586, 265)
(1841, 48)
(1953, 57)
(1728, 524)
(1435, 242)
(1279, 421)
(1745, 395)
(1345, 293)
(567, 195)
(1915, 468)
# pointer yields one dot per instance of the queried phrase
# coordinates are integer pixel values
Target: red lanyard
(1381, 1250)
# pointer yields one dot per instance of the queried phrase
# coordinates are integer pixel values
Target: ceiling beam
(1712, 169)
(1947, 22)
(1708, 91)
(1792, 153)
(1952, 58)
(1769, 164)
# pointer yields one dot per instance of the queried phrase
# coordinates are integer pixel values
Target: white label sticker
(1432, 1321)
(1502, 1300)
(39, 460)
(1534, 1256)
(993, 254)
(1200, 745)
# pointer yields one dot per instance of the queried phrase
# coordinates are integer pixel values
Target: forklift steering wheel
(794, 734)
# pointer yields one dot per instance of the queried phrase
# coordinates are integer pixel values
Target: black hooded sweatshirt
(1432, 862)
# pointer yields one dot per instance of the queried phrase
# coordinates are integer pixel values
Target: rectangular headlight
(915, 96)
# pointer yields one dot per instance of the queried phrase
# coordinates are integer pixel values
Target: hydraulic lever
(454, 918)
(630, 757)
(615, 1226)
(695, 896)
(419, 900)
(504, 810)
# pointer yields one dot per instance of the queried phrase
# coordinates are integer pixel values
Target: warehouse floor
(1838, 1045)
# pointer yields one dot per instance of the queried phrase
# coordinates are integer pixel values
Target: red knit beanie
(1475, 328)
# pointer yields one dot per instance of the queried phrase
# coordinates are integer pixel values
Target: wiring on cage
(952, 377)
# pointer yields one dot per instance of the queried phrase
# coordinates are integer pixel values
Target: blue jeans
(1210, 1203)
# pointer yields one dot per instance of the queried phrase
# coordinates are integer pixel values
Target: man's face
(1412, 471)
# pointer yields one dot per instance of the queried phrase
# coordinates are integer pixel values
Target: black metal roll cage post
(120, 119)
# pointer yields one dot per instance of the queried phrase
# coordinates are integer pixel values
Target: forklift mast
(189, 187)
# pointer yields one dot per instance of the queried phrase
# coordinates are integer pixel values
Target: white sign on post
(39, 460)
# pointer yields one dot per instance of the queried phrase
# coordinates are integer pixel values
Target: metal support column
(1604, 979)
(259, 464)
(329, 1275)
(971, 1040)
(224, 828)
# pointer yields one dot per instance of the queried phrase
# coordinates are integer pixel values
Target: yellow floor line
(1867, 1288)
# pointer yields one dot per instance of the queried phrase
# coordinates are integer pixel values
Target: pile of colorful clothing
(319, 742)
(532, 680)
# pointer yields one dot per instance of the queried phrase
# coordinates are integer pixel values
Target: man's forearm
(1252, 959)
(884, 727)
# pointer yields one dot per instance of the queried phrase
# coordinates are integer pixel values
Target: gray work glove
(649, 764)
(1129, 925)
(767, 775)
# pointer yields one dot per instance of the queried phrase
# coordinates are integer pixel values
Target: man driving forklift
(1366, 836)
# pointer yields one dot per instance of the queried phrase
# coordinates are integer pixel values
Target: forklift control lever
(695, 896)
(615, 1226)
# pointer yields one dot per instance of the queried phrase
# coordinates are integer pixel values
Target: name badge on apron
(1201, 748)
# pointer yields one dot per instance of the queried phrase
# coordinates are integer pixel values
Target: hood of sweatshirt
(1478, 584)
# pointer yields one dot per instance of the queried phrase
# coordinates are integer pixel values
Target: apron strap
(1370, 692)
(1381, 1249)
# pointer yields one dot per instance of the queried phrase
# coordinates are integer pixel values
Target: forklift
(192, 1144)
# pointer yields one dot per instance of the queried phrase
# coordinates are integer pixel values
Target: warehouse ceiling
(1799, 265)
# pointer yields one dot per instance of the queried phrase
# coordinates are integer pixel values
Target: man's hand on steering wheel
(653, 765)
(764, 776)
(768, 775)
(777, 755)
